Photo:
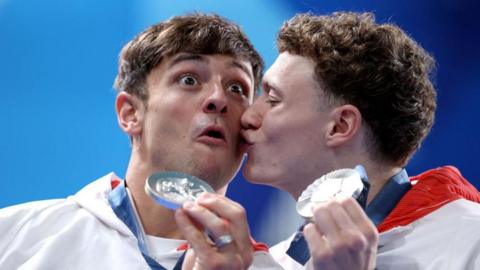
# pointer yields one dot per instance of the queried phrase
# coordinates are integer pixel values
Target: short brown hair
(192, 33)
(376, 67)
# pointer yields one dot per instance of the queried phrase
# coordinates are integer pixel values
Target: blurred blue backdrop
(59, 59)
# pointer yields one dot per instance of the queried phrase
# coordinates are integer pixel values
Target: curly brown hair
(376, 67)
(191, 33)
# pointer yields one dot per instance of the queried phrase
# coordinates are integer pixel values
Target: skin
(206, 212)
(294, 134)
(297, 134)
(189, 95)
(281, 115)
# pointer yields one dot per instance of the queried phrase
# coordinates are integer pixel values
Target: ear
(130, 113)
(344, 125)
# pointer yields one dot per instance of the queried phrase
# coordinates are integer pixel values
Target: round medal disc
(172, 189)
(338, 184)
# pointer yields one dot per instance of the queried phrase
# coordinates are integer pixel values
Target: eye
(237, 89)
(272, 100)
(188, 80)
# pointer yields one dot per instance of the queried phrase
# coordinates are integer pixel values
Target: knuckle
(216, 263)
(319, 211)
(347, 202)
(236, 263)
(372, 236)
(322, 257)
(248, 258)
(222, 226)
(359, 243)
(199, 209)
(236, 204)
(339, 247)
(355, 240)
(309, 229)
(320, 207)
(369, 231)
(239, 212)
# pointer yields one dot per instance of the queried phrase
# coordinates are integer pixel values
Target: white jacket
(446, 239)
(79, 232)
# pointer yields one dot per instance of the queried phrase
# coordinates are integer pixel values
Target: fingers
(320, 251)
(341, 236)
(189, 260)
(236, 219)
(204, 255)
(327, 237)
(216, 227)
(192, 233)
(360, 218)
(226, 223)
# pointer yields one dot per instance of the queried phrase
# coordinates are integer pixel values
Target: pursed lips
(245, 141)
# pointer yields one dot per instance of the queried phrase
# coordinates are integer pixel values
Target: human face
(285, 127)
(192, 117)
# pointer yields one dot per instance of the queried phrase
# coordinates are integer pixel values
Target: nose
(252, 118)
(216, 101)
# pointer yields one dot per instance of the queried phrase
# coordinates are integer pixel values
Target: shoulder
(15, 217)
(447, 238)
(70, 230)
(456, 211)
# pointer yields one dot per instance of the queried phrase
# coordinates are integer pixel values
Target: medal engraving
(339, 184)
(172, 189)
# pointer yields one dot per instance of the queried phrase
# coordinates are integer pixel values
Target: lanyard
(123, 208)
(381, 206)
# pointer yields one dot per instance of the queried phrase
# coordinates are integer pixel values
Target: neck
(155, 219)
(378, 176)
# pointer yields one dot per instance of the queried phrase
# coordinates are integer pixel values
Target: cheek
(166, 121)
(233, 119)
(276, 130)
(288, 138)
(237, 110)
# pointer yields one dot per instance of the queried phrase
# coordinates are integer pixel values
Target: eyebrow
(242, 67)
(187, 57)
(266, 87)
(198, 57)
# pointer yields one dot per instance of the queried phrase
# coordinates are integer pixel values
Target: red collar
(430, 191)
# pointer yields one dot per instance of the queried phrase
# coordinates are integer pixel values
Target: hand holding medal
(339, 233)
(199, 210)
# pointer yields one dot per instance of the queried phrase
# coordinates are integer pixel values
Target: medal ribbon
(123, 208)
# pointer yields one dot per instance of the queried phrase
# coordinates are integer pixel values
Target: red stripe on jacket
(432, 190)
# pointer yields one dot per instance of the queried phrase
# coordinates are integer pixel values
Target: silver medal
(338, 184)
(172, 189)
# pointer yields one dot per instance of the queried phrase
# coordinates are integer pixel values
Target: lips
(214, 134)
(245, 141)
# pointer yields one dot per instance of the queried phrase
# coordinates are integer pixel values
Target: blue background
(58, 60)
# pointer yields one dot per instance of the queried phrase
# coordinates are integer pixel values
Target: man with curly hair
(344, 91)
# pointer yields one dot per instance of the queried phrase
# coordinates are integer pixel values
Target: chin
(215, 176)
(254, 174)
